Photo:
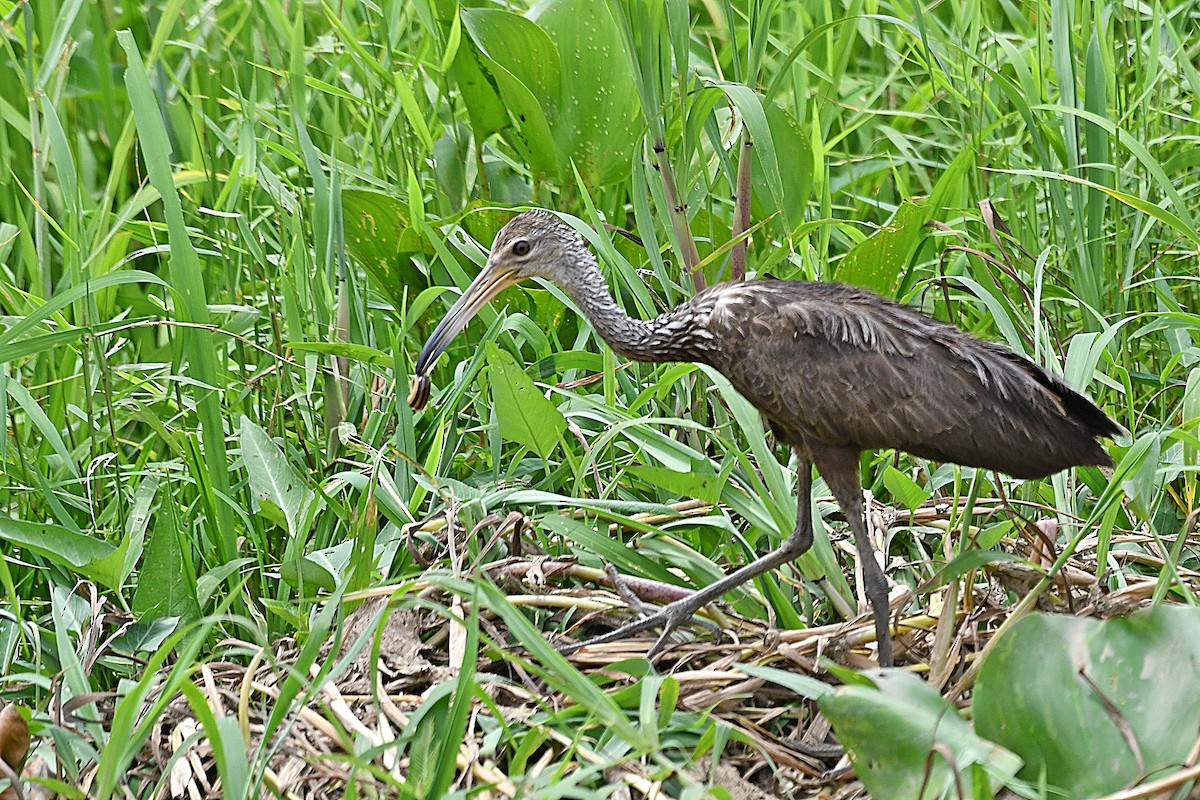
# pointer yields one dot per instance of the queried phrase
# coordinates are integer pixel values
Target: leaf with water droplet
(599, 123)
(507, 71)
(380, 237)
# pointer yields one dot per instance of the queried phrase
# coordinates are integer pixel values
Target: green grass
(226, 229)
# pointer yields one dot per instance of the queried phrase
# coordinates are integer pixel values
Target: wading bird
(834, 370)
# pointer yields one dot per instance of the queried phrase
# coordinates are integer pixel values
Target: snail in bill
(418, 392)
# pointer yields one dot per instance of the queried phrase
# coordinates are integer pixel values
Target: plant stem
(741, 211)
(678, 212)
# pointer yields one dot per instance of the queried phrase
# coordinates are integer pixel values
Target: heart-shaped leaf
(901, 736)
(1094, 705)
(525, 415)
(597, 125)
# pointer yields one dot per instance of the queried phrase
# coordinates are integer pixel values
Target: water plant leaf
(498, 101)
(380, 237)
(521, 47)
(876, 261)
(899, 733)
(1094, 705)
(598, 122)
(525, 415)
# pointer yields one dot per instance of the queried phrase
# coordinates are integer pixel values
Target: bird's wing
(843, 367)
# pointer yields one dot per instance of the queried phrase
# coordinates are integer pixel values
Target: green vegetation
(226, 229)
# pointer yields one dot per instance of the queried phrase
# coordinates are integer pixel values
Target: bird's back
(833, 365)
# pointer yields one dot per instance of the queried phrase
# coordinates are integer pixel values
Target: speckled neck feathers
(672, 336)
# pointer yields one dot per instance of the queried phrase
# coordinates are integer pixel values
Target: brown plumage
(840, 366)
(835, 371)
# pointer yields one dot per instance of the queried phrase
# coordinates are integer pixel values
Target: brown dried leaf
(14, 744)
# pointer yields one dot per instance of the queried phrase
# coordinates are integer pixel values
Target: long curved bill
(487, 285)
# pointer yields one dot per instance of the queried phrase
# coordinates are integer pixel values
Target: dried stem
(741, 213)
(678, 212)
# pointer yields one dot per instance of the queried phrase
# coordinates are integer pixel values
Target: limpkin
(835, 371)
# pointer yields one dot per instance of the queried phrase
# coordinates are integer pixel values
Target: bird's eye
(521, 247)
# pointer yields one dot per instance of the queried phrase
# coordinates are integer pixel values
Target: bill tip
(418, 392)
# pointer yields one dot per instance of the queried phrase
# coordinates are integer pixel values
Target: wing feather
(839, 366)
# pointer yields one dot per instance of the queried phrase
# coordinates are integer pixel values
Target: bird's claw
(669, 618)
(627, 594)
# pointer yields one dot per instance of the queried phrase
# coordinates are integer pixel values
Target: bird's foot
(669, 618)
(626, 591)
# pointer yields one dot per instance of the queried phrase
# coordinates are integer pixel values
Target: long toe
(626, 591)
(669, 618)
(669, 625)
(624, 632)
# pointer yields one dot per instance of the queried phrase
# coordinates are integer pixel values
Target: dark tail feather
(1086, 412)
(1077, 408)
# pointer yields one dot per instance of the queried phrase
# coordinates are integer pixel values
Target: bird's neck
(656, 340)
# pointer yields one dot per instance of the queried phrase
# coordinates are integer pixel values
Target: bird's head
(534, 244)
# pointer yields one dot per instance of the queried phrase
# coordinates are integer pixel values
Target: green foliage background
(226, 229)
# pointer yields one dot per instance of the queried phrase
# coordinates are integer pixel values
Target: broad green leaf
(380, 237)
(526, 416)
(877, 261)
(1072, 696)
(145, 635)
(485, 108)
(110, 570)
(483, 220)
(890, 731)
(499, 102)
(307, 573)
(950, 191)
(597, 126)
(904, 488)
(62, 546)
(272, 477)
(794, 161)
(378, 226)
(702, 485)
(521, 47)
(89, 556)
(165, 589)
(1144, 482)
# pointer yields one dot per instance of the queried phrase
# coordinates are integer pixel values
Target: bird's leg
(628, 595)
(839, 467)
(639, 605)
(672, 615)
